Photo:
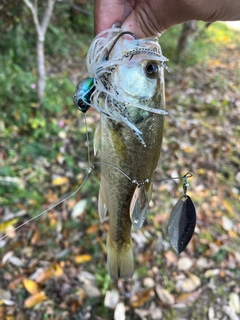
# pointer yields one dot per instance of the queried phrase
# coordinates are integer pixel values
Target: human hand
(152, 17)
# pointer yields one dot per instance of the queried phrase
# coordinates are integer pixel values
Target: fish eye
(151, 69)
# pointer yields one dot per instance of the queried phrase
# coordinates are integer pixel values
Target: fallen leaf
(231, 314)
(148, 282)
(111, 298)
(5, 225)
(119, 313)
(229, 207)
(5, 294)
(21, 315)
(45, 275)
(227, 223)
(59, 181)
(62, 134)
(141, 313)
(185, 264)
(82, 258)
(233, 234)
(155, 312)
(164, 296)
(6, 257)
(51, 196)
(203, 263)
(141, 297)
(211, 273)
(211, 314)
(189, 297)
(234, 302)
(15, 282)
(81, 294)
(36, 236)
(8, 302)
(92, 229)
(91, 289)
(171, 257)
(31, 286)
(58, 271)
(15, 261)
(35, 299)
(189, 284)
(79, 209)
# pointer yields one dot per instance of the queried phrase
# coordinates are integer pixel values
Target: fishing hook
(117, 38)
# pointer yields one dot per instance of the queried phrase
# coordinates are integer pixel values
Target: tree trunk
(41, 28)
(189, 30)
(41, 68)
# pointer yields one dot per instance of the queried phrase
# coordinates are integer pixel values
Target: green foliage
(204, 45)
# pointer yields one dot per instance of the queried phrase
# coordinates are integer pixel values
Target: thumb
(147, 19)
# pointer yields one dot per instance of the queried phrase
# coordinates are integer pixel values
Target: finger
(148, 19)
(107, 12)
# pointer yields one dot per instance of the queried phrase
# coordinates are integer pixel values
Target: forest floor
(55, 266)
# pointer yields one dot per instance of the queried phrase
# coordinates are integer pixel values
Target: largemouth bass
(127, 88)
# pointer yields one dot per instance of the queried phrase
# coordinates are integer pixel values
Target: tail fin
(119, 262)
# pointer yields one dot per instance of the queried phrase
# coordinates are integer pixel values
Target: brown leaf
(31, 301)
(92, 229)
(190, 297)
(171, 257)
(15, 282)
(141, 297)
(51, 197)
(36, 236)
(45, 275)
(54, 270)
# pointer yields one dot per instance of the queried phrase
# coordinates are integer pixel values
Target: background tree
(41, 28)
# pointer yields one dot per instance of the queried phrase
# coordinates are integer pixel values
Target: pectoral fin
(139, 206)
(102, 208)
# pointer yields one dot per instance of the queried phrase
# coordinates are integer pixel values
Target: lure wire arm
(142, 182)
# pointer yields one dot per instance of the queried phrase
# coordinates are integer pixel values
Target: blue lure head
(83, 93)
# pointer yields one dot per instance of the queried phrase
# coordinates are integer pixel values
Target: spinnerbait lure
(127, 90)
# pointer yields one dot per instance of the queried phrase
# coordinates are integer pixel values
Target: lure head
(83, 94)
